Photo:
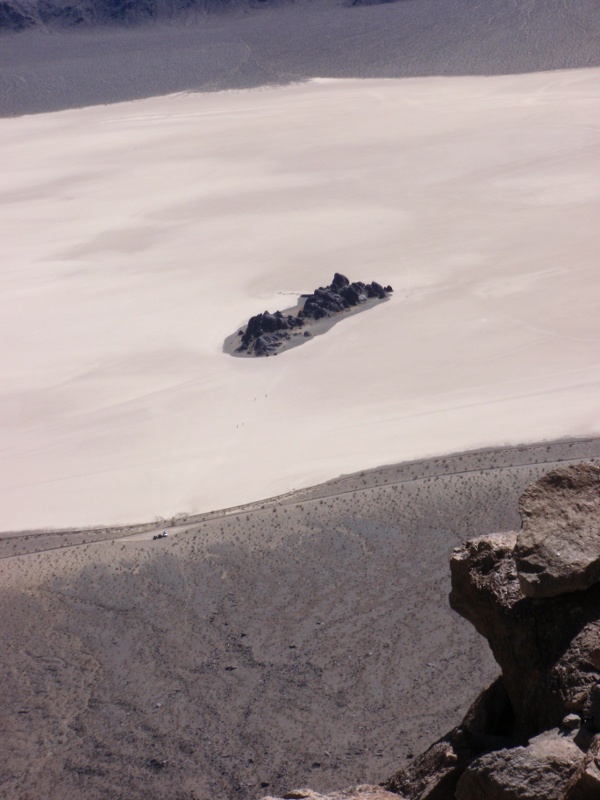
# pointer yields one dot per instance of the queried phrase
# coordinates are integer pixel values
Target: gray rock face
(585, 784)
(558, 548)
(541, 771)
(544, 647)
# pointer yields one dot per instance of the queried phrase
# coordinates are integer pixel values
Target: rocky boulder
(546, 648)
(558, 548)
(541, 771)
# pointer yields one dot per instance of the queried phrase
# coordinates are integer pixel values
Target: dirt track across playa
(300, 640)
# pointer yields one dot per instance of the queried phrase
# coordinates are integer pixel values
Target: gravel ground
(300, 640)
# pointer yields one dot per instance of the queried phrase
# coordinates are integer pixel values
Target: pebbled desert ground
(301, 640)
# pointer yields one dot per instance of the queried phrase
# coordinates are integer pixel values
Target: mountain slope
(104, 51)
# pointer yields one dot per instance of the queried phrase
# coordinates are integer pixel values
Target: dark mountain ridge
(58, 54)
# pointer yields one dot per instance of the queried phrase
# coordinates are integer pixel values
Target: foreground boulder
(557, 549)
(543, 769)
(545, 648)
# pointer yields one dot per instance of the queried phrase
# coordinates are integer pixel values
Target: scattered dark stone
(156, 764)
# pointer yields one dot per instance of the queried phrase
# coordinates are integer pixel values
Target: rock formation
(534, 734)
(339, 296)
(266, 333)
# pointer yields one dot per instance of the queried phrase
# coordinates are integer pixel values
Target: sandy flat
(135, 237)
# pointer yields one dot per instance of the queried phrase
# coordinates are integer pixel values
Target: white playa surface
(136, 237)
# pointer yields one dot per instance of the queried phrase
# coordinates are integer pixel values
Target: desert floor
(303, 640)
(137, 236)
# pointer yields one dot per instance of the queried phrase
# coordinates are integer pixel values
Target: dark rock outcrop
(332, 300)
(266, 333)
(340, 295)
